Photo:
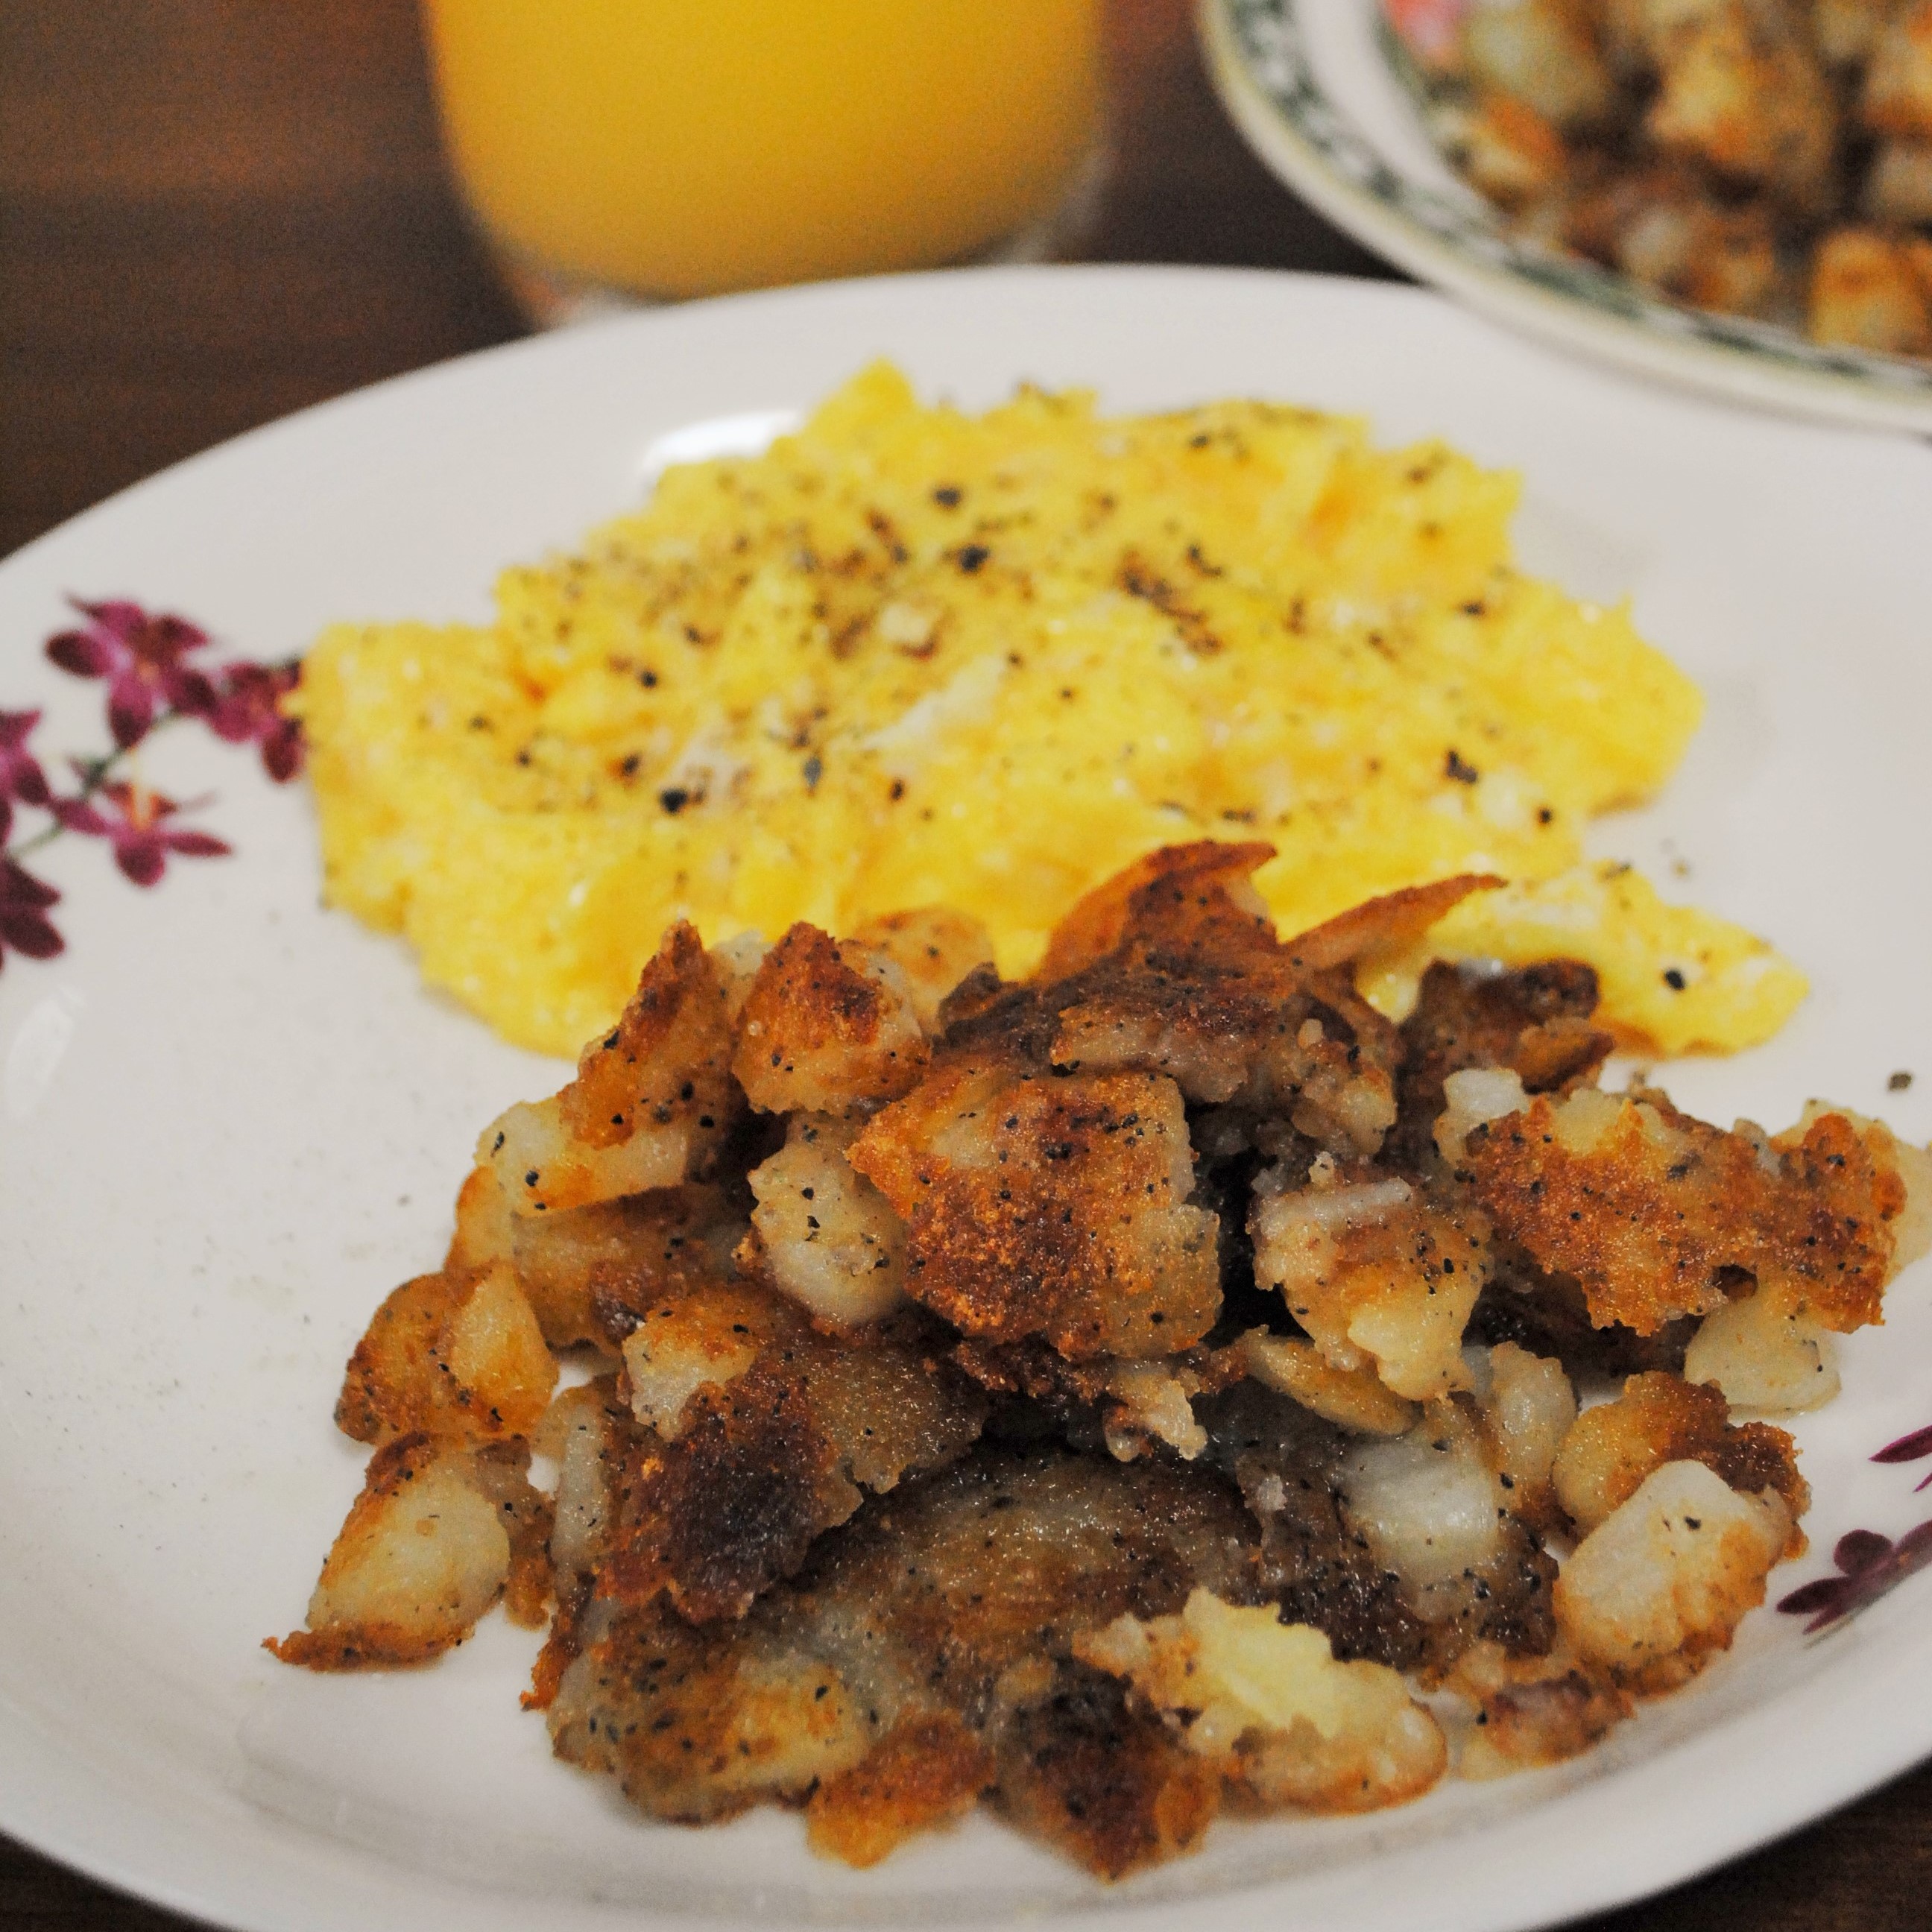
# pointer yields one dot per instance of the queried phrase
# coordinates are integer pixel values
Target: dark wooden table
(214, 211)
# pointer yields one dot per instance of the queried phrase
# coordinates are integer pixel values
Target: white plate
(230, 1122)
(1315, 86)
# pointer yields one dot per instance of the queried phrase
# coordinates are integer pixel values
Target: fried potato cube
(1689, 247)
(1901, 1173)
(572, 1265)
(1868, 293)
(1151, 1402)
(426, 1549)
(1897, 191)
(1762, 1353)
(1742, 90)
(652, 1101)
(935, 947)
(1054, 1207)
(1614, 1448)
(827, 1236)
(1269, 1704)
(706, 1342)
(1897, 95)
(1667, 1576)
(1528, 1407)
(1376, 1275)
(462, 1360)
(1430, 1503)
(827, 1028)
(1541, 52)
(697, 1727)
(1658, 1215)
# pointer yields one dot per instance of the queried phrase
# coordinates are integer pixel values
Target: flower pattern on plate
(146, 660)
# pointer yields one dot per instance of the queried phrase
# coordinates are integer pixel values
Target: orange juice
(687, 147)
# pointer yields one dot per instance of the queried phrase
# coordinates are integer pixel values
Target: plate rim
(1230, 1907)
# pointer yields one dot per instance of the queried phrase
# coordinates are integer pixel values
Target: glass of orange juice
(660, 148)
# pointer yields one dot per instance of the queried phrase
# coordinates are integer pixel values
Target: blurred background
(213, 212)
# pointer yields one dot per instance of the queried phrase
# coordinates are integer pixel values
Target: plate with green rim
(1325, 93)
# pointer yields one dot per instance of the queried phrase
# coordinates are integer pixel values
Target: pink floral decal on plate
(147, 661)
(1868, 1564)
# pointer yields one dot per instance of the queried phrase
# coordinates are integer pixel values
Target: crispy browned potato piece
(1661, 1584)
(948, 1612)
(1543, 52)
(1168, 892)
(824, 1234)
(1269, 1706)
(1535, 1021)
(1742, 90)
(1511, 152)
(924, 1772)
(1658, 1215)
(677, 1236)
(1869, 292)
(827, 1028)
(1390, 923)
(652, 1103)
(1054, 1207)
(756, 1434)
(1378, 1274)
(1897, 98)
(1196, 985)
(459, 1358)
(1433, 1509)
(1662, 224)
(436, 1536)
(1611, 1449)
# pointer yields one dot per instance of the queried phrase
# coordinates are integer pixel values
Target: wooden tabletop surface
(213, 212)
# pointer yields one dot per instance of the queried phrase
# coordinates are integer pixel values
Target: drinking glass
(639, 149)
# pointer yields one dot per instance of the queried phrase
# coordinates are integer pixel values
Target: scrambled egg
(911, 656)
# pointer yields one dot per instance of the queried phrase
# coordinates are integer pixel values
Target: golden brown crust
(952, 1604)
(817, 1032)
(1661, 1418)
(460, 1358)
(766, 1434)
(667, 1061)
(1038, 1206)
(365, 1646)
(432, 1541)
(1106, 1784)
(1659, 1216)
(1167, 893)
(1535, 1021)
(581, 1269)
(926, 1771)
(787, 1570)
(1196, 985)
